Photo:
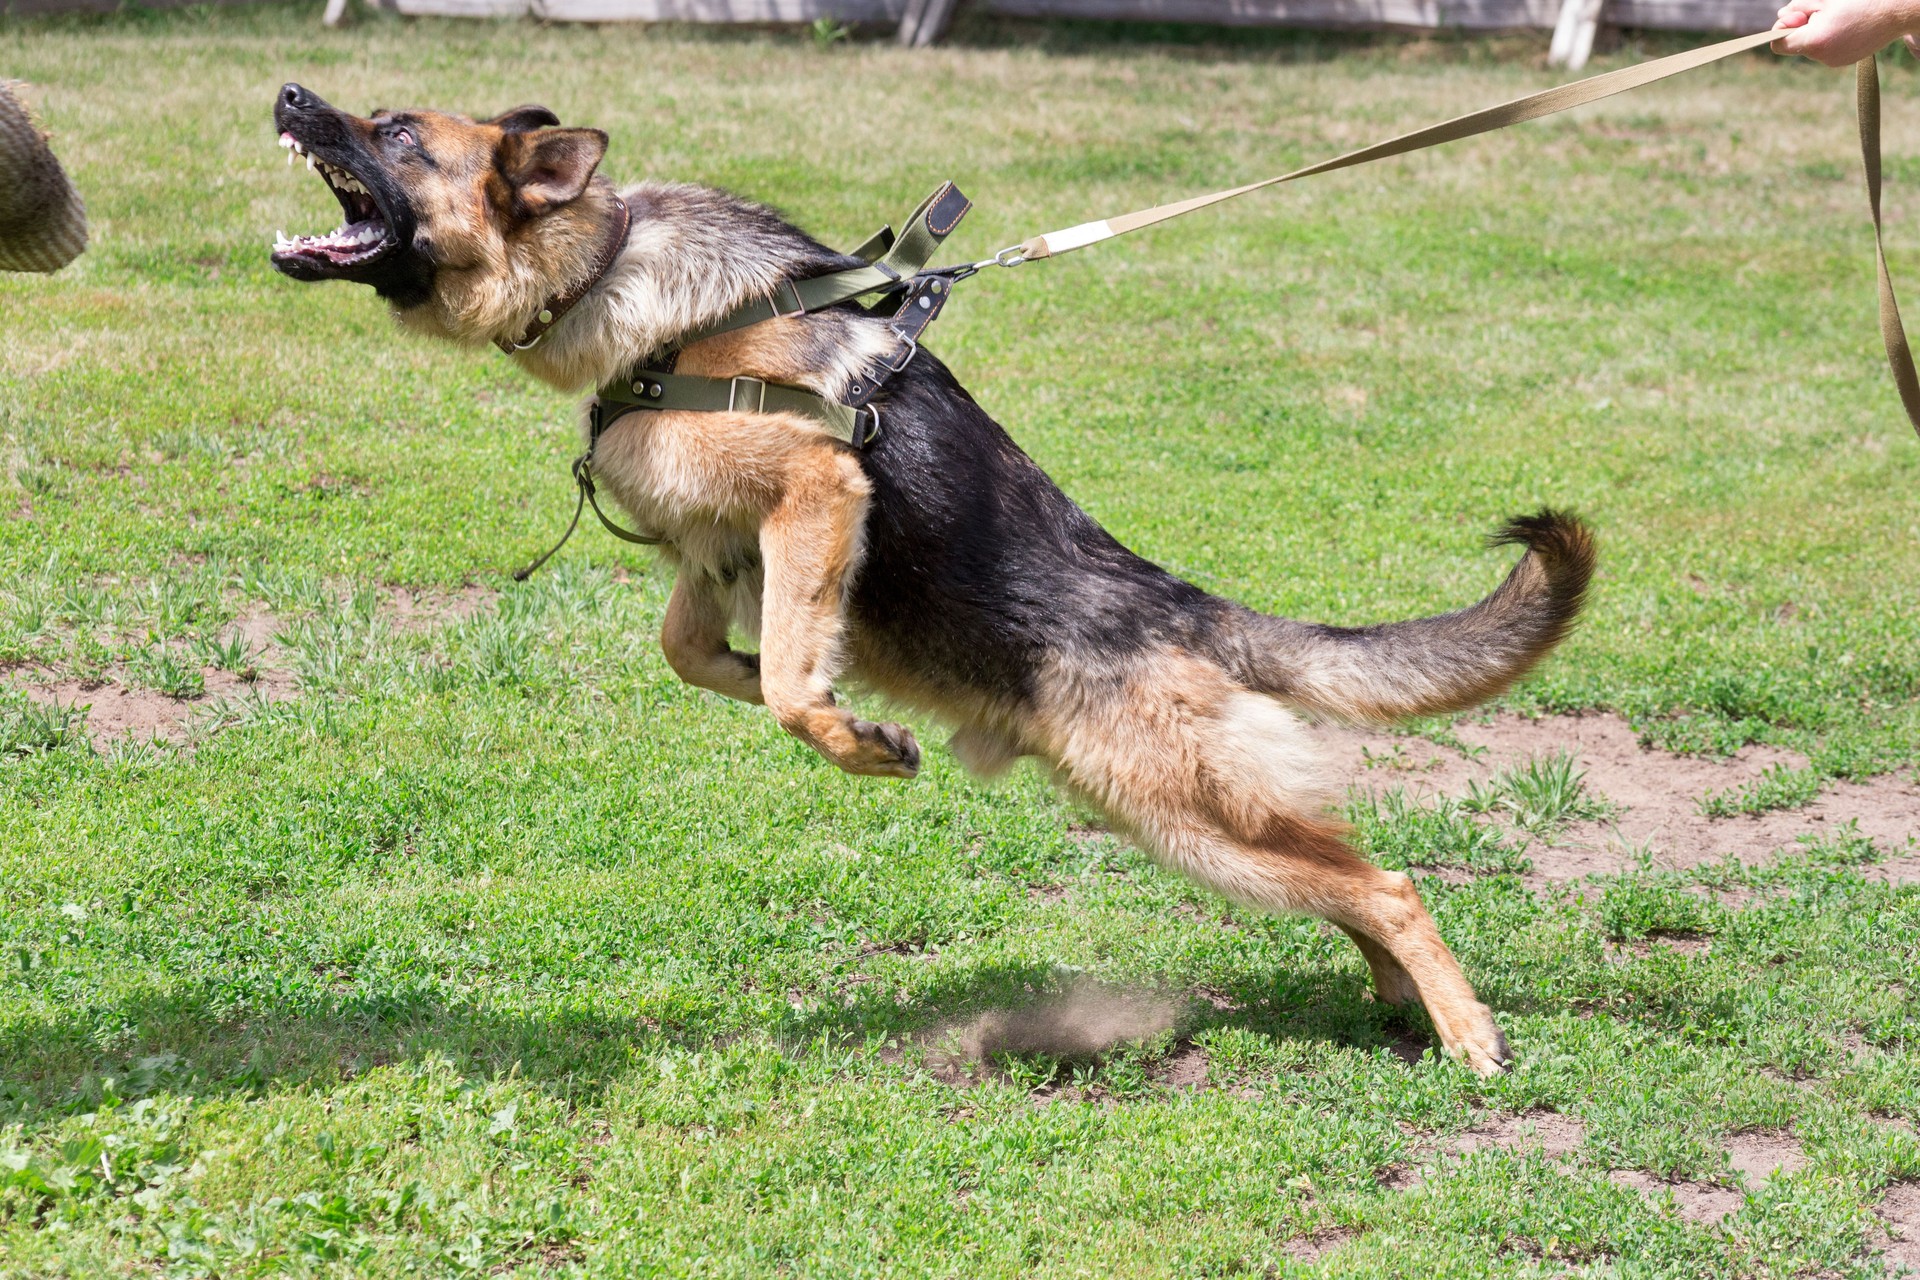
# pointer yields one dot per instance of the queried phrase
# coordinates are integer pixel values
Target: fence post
(924, 22)
(1573, 34)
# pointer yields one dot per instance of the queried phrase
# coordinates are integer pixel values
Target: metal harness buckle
(754, 388)
(913, 347)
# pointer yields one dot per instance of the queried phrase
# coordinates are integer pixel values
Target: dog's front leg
(810, 544)
(694, 639)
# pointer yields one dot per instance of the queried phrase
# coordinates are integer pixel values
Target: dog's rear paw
(883, 751)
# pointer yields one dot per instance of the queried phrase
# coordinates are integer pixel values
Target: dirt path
(1658, 795)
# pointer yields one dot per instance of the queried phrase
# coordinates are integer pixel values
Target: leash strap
(1532, 107)
(1866, 76)
(583, 481)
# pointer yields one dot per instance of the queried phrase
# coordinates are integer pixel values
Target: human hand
(1841, 32)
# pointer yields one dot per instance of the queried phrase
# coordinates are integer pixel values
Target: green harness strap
(686, 391)
(890, 263)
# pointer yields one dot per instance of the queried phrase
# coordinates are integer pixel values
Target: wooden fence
(921, 22)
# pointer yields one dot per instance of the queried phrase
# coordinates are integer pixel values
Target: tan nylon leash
(1899, 356)
(1533, 107)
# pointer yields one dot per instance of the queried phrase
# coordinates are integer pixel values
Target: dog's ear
(548, 168)
(521, 119)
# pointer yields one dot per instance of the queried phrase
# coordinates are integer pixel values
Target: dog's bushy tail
(1426, 666)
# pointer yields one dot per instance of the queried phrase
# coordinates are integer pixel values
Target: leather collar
(558, 305)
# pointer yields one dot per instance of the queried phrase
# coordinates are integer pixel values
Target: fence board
(722, 11)
(1477, 15)
(718, 10)
(1737, 16)
(1471, 15)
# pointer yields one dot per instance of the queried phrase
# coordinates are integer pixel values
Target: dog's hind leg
(810, 544)
(1218, 783)
(1391, 983)
(694, 639)
(1305, 865)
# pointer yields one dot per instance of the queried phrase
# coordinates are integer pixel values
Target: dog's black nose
(300, 99)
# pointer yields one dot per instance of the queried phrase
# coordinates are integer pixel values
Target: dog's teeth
(289, 159)
(309, 164)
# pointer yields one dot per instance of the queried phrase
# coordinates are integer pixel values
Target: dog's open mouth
(363, 237)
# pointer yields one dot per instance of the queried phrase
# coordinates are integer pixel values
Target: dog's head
(438, 207)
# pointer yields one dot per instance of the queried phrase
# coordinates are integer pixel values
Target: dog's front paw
(882, 751)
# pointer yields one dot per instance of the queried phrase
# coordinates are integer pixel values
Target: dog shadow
(988, 1015)
(191, 1041)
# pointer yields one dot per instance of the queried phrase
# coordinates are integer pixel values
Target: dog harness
(893, 267)
(911, 299)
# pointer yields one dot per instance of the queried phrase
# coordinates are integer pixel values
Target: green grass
(1781, 787)
(1540, 796)
(1400, 831)
(496, 949)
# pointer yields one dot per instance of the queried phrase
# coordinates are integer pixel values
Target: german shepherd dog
(939, 566)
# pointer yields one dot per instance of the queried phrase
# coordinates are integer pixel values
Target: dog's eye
(401, 134)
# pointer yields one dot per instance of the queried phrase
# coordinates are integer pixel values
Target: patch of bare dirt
(1398, 1177)
(1084, 1021)
(1685, 944)
(1312, 1248)
(1701, 1202)
(1408, 1047)
(1657, 794)
(1898, 871)
(117, 711)
(1186, 1070)
(1899, 1214)
(1757, 1156)
(1549, 1133)
(410, 610)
